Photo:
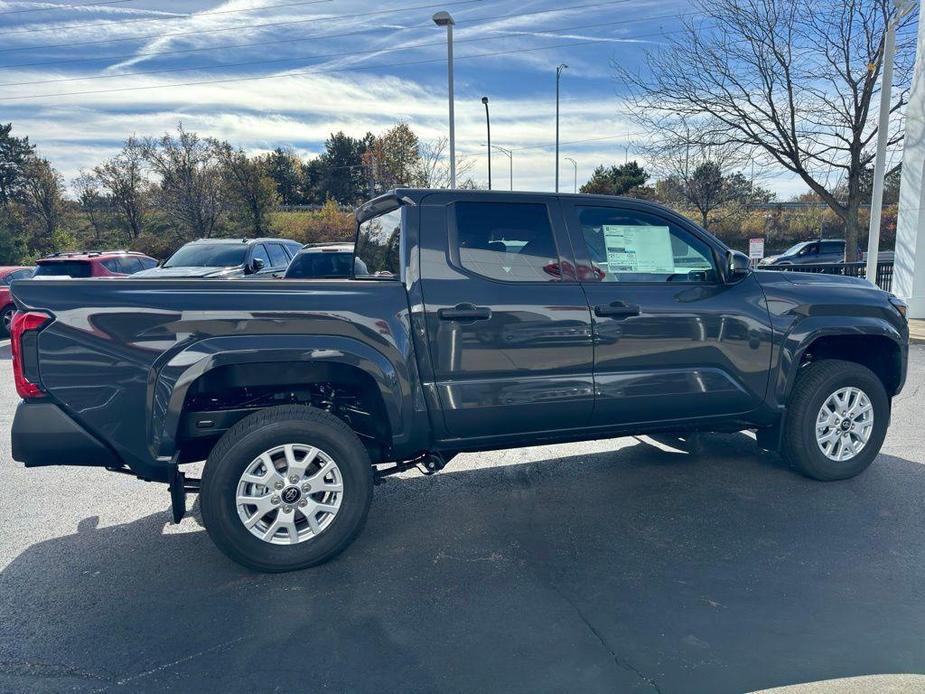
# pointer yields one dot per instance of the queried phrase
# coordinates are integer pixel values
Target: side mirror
(737, 266)
(256, 265)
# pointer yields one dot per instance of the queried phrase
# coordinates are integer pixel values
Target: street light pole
(559, 70)
(886, 87)
(575, 165)
(510, 155)
(488, 125)
(445, 19)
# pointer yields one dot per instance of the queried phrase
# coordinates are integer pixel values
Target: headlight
(899, 305)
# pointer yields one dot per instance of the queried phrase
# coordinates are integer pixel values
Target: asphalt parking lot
(617, 566)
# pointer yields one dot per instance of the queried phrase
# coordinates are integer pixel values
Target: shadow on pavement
(631, 570)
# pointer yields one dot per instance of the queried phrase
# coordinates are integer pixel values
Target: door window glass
(278, 257)
(261, 253)
(632, 246)
(129, 265)
(505, 241)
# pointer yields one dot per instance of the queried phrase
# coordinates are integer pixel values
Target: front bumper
(43, 434)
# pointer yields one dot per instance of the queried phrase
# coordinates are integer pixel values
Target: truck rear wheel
(286, 488)
(836, 420)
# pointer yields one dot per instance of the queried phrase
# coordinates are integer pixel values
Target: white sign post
(755, 250)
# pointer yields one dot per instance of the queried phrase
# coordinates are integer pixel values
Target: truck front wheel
(286, 488)
(836, 420)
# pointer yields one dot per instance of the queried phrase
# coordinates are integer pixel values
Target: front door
(672, 341)
(509, 329)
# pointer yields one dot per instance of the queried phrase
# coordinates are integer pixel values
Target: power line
(251, 63)
(238, 26)
(126, 56)
(65, 7)
(165, 18)
(296, 73)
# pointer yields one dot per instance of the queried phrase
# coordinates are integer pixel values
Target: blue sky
(79, 77)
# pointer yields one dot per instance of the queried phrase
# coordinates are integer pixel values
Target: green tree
(42, 201)
(342, 169)
(14, 151)
(287, 172)
(249, 188)
(616, 180)
(707, 188)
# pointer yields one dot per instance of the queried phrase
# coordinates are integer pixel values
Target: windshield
(795, 248)
(63, 268)
(208, 255)
(323, 265)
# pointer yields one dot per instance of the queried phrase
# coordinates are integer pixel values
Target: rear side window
(278, 257)
(130, 265)
(147, 263)
(833, 247)
(505, 241)
(112, 264)
(322, 266)
(63, 268)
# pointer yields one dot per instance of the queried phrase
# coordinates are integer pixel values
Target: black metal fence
(884, 271)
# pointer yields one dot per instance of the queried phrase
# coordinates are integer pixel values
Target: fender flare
(810, 329)
(171, 379)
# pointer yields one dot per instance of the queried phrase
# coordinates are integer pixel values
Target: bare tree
(433, 169)
(793, 80)
(124, 179)
(191, 189)
(91, 201)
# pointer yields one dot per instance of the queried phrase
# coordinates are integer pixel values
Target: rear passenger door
(279, 259)
(508, 325)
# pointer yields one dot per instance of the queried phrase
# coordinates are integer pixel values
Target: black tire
(6, 315)
(815, 383)
(260, 432)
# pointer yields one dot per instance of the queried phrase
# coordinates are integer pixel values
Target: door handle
(616, 310)
(464, 313)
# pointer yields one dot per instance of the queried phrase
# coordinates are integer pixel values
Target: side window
(278, 257)
(832, 247)
(509, 242)
(261, 253)
(811, 249)
(112, 264)
(130, 265)
(631, 246)
(148, 263)
(378, 248)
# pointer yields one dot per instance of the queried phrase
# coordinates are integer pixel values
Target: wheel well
(878, 353)
(218, 399)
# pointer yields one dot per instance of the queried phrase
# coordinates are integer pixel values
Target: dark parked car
(482, 321)
(94, 264)
(810, 253)
(7, 275)
(324, 261)
(228, 258)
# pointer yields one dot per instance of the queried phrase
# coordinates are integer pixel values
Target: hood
(190, 272)
(822, 279)
(768, 259)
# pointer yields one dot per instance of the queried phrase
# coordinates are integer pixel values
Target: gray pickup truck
(479, 321)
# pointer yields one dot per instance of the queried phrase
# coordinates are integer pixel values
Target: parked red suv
(7, 275)
(94, 264)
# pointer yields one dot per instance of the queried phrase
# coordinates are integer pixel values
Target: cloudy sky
(80, 77)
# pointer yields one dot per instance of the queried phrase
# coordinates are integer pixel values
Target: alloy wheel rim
(844, 424)
(289, 494)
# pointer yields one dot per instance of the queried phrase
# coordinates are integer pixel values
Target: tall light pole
(559, 70)
(510, 155)
(488, 125)
(444, 19)
(903, 7)
(574, 164)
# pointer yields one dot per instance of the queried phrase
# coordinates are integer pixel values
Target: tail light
(24, 346)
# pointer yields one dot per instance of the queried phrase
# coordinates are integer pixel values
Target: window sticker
(642, 249)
